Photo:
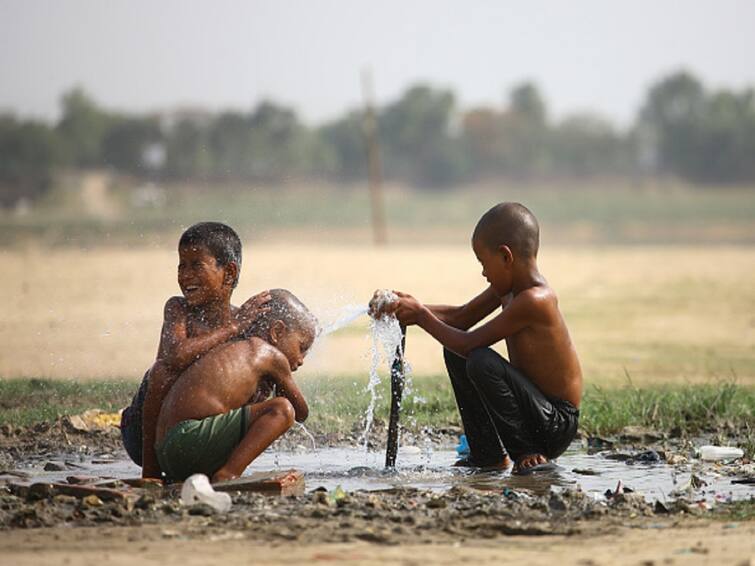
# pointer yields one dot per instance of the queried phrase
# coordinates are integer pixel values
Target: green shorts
(201, 446)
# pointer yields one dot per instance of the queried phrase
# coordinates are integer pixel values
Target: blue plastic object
(462, 449)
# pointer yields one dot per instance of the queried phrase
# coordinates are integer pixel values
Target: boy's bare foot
(223, 475)
(528, 461)
(468, 462)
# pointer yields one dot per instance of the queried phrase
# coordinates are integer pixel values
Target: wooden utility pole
(374, 162)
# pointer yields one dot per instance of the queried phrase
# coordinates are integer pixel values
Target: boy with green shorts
(209, 423)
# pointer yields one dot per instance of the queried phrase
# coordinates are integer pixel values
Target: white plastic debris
(197, 489)
(716, 453)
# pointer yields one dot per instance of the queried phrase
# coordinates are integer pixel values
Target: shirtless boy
(209, 262)
(527, 407)
(208, 423)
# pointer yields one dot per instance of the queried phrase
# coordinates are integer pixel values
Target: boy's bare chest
(196, 327)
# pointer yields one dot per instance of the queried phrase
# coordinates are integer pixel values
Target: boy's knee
(478, 362)
(449, 357)
(455, 364)
(282, 408)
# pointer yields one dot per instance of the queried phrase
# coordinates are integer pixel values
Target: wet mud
(479, 507)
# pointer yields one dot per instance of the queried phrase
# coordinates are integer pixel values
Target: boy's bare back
(543, 349)
(224, 379)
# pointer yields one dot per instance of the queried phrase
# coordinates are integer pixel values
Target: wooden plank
(104, 493)
(143, 482)
(290, 482)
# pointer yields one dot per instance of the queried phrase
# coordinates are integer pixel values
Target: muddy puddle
(426, 468)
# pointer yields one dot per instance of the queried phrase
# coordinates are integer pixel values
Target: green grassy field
(339, 405)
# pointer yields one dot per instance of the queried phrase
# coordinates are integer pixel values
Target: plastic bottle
(197, 489)
(714, 453)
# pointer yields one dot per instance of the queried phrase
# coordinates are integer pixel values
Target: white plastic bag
(715, 453)
(197, 489)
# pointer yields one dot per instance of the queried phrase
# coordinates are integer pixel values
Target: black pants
(503, 410)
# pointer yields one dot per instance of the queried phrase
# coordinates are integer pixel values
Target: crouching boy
(527, 406)
(208, 423)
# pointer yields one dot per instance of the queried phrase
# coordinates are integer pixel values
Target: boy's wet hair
(221, 241)
(509, 224)
(287, 307)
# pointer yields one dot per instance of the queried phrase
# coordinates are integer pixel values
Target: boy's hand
(250, 311)
(407, 309)
(381, 304)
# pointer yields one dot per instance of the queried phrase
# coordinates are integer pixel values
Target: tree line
(683, 129)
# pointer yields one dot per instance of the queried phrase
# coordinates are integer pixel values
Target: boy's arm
(285, 386)
(465, 316)
(518, 315)
(178, 351)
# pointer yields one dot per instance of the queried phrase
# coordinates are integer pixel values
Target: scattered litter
(92, 420)
(197, 489)
(620, 489)
(92, 501)
(462, 449)
(718, 453)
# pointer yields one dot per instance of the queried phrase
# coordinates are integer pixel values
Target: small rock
(646, 457)
(202, 510)
(145, 501)
(436, 503)
(54, 467)
(676, 459)
(586, 472)
(556, 502)
(321, 498)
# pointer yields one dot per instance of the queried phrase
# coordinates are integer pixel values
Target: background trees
(682, 130)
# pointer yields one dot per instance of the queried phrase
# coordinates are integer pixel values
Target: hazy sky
(595, 55)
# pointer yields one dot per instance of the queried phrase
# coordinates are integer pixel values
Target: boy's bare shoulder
(538, 302)
(176, 305)
(267, 354)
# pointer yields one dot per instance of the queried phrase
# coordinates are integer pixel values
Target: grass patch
(340, 404)
(690, 408)
(27, 401)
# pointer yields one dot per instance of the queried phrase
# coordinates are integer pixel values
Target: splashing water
(309, 434)
(386, 339)
(349, 314)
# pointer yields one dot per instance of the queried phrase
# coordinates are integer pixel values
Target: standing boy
(528, 406)
(209, 422)
(208, 270)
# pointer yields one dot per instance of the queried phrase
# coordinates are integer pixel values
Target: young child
(207, 424)
(529, 406)
(208, 270)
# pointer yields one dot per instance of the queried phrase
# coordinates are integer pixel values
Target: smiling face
(201, 279)
(497, 266)
(294, 344)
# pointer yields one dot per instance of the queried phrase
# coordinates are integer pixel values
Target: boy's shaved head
(509, 224)
(287, 307)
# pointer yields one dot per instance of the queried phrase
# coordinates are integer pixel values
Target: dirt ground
(666, 542)
(656, 313)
